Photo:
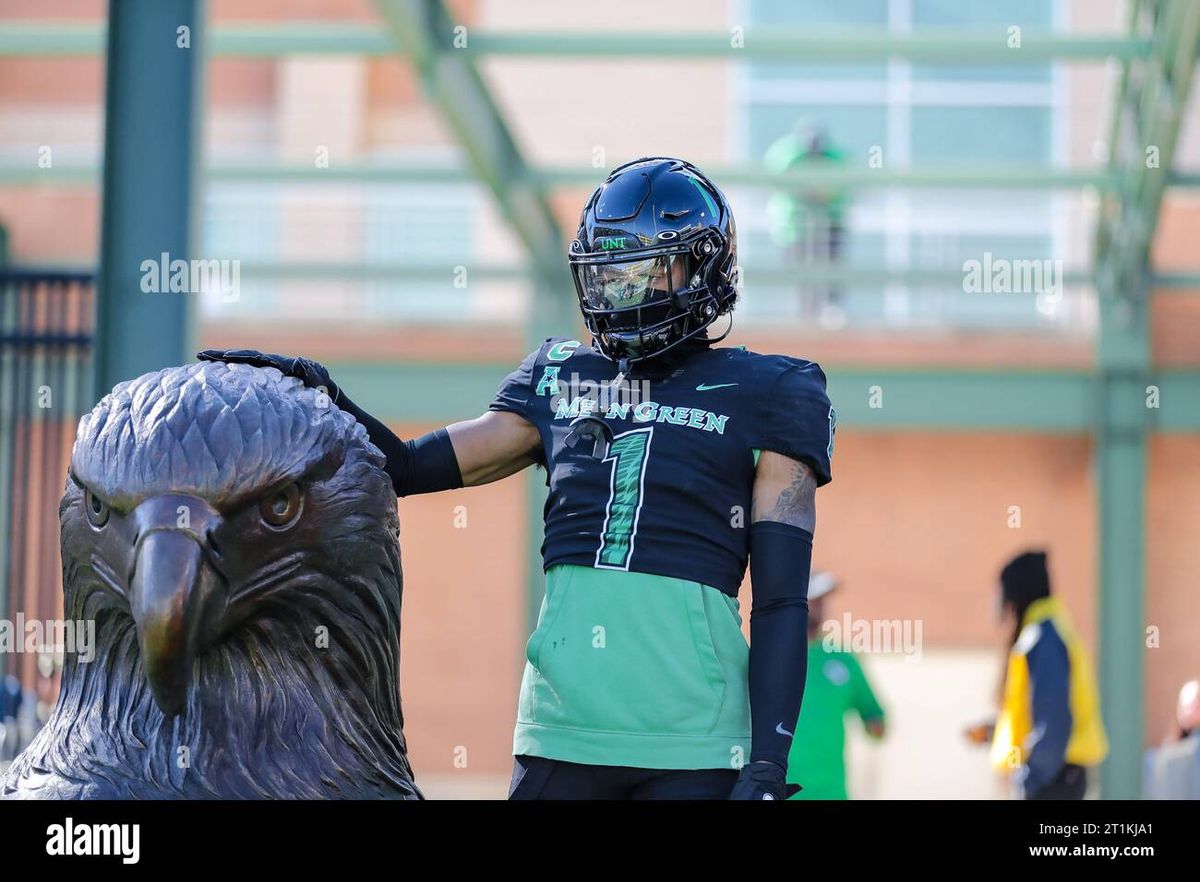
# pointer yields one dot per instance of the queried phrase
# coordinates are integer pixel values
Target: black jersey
(670, 493)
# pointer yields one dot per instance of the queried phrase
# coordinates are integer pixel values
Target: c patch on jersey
(562, 350)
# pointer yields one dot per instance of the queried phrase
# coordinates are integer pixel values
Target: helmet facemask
(640, 304)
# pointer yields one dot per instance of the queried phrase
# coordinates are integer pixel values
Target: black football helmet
(654, 260)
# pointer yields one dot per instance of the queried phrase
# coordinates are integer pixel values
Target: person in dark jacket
(1049, 730)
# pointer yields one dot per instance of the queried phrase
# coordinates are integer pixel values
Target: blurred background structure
(978, 216)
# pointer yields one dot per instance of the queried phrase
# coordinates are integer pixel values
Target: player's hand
(311, 373)
(763, 780)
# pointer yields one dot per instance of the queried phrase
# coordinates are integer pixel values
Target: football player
(671, 462)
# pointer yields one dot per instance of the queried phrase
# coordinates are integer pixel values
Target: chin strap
(593, 429)
(622, 372)
(728, 330)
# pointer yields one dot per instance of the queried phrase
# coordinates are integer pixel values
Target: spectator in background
(1049, 730)
(1187, 710)
(10, 708)
(1172, 771)
(835, 686)
(807, 222)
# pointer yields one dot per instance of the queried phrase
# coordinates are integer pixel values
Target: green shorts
(631, 669)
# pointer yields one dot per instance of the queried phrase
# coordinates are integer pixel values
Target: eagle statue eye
(280, 509)
(97, 509)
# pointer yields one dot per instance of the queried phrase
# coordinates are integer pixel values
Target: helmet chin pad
(638, 334)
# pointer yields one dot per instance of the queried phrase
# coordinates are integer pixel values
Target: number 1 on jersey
(628, 454)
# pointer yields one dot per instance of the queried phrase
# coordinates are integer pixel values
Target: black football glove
(763, 780)
(436, 469)
(311, 373)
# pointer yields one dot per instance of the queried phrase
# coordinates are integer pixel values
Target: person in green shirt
(808, 222)
(836, 685)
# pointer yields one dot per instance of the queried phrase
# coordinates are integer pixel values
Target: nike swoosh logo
(704, 387)
(782, 731)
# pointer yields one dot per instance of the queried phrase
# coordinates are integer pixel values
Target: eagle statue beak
(174, 598)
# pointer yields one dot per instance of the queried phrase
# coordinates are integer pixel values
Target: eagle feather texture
(272, 710)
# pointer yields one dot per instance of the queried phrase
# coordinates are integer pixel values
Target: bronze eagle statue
(234, 539)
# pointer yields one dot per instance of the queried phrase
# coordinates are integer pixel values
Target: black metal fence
(46, 320)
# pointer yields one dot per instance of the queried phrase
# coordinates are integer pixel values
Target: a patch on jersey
(548, 384)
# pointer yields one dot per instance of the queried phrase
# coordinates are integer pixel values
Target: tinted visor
(633, 283)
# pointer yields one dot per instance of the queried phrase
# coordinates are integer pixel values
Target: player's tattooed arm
(493, 446)
(785, 490)
(784, 516)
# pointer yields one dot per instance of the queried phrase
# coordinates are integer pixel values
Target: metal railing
(46, 321)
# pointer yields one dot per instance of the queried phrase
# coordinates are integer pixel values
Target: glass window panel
(980, 73)
(818, 12)
(1034, 14)
(774, 72)
(975, 136)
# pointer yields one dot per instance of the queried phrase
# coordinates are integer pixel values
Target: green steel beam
(1179, 397)
(421, 392)
(1174, 282)
(1181, 283)
(1115, 124)
(266, 40)
(1151, 101)
(152, 105)
(424, 30)
(271, 39)
(767, 274)
(28, 174)
(776, 274)
(51, 39)
(862, 177)
(967, 46)
(815, 44)
(958, 400)
(1163, 107)
(444, 271)
(1120, 476)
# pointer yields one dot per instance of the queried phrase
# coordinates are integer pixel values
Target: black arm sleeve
(780, 557)
(422, 465)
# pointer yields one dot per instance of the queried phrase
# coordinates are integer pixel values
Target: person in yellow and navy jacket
(1049, 730)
